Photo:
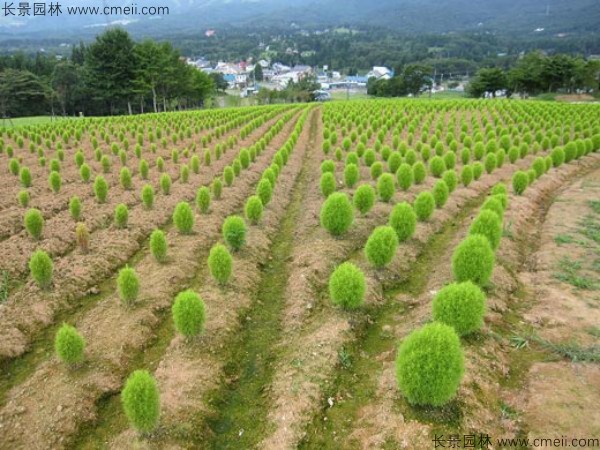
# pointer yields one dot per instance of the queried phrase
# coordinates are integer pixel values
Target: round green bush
(189, 314)
(75, 207)
(228, 175)
(100, 189)
(24, 198)
(69, 344)
(25, 176)
(430, 365)
(264, 190)
(41, 268)
(381, 246)
(404, 176)
(55, 181)
(419, 172)
(539, 166)
(473, 260)
(144, 169)
(125, 178)
(437, 166)
(203, 199)
(141, 401)
(424, 205)
(85, 173)
(364, 198)
(352, 158)
(440, 193)
(496, 203)
(217, 188)
(465, 156)
(386, 187)
(351, 175)
(570, 151)
(165, 183)
(128, 285)
(531, 176)
(558, 156)
(466, 175)
(327, 166)
(121, 215)
(477, 171)
(183, 218)
(327, 184)
(220, 263)
(520, 181)
(488, 224)
(347, 286)
(253, 209)
(158, 245)
(490, 162)
(337, 214)
(234, 232)
(34, 223)
(394, 162)
(451, 179)
(460, 305)
(148, 196)
(376, 169)
(403, 220)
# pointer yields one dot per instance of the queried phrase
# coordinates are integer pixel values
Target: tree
(219, 81)
(487, 81)
(415, 77)
(111, 66)
(22, 93)
(258, 73)
(65, 81)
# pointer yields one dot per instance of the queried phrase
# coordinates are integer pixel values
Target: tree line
(112, 75)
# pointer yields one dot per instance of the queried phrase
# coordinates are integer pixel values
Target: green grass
(352, 95)
(590, 228)
(564, 239)
(569, 273)
(35, 120)
(595, 205)
(4, 284)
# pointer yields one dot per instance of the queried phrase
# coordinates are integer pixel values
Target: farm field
(354, 275)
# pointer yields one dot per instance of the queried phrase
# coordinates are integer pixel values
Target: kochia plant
(337, 214)
(141, 401)
(460, 305)
(183, 218)
(158, 245)
(220, 263)
(403, 220)
(34, 223)
(189, 314)
(69, 345)
(364, 198)
(347, 286)
(234, 232)
(41, 268)
(473, 260)
(128, 285)
(381, 246)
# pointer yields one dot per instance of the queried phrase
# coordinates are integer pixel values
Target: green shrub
(82, 237)
(220, 263)
(79, 159)
(419, 172)
(369, 157)
(477, 171)
(24, 198)
(394, 162)
(253, 209)
(404, 176)
(386, 187)
(327, 166)
(264, 191)
(158, 245)
(128, 285)
(234, 232)
(337, 214)
(539, 166)
(570, 152)
(100, 189)
(165, 183)
(183, 218)
(34, 223)
(41, 268)
(351, 175)
(14, 166)
(558, 156)
(141, 401)
(496, 203)
(451, 179)
(466, 175)
(55, 182)
(69, 345)
(440, 193)
(364, 198)
(430, 365)
(520, 181)
(473, 260)
(403, 220)
(381, 246)
(500, 156)
(328, 184)
(195, 164)
(85, 173)
(203, 199)
(25, 176)
(217, 188)
(347, 286)
(531, 176)
(189, 314)
(488, 224)
(424, 205)
(75, 207)
(490, 162)
(376, 170)
(460, 305)
(105, 162)
(148, 196)
(352, 158)
(121, 215)
(437, 166)
(228, 175)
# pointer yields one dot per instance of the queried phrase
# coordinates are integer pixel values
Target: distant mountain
(411, 16)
